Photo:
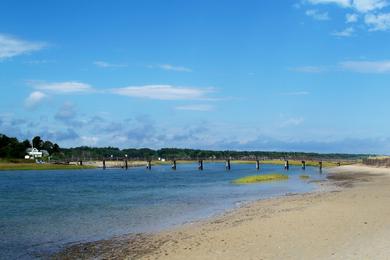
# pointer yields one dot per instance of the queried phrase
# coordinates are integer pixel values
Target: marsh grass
(261, 178)
(304, 177)
(35, 166)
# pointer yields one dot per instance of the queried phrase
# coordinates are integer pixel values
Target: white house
(33, 153)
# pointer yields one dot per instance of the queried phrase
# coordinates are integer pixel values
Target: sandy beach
(346, 219)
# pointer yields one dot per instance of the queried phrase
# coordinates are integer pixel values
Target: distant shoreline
(40, 166)
(11, 166)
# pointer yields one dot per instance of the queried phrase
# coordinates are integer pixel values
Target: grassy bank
(9, 166)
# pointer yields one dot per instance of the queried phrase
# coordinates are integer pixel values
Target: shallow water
(41, 211)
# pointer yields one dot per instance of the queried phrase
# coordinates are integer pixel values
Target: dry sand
(351, 220)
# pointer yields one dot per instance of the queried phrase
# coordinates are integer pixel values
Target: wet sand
(347, 219)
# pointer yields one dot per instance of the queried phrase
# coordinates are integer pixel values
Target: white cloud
(343, 3)
(158, 92)
(293, 121)
(11, 46)
(351, 18)
(373, 19)
(347, 32)
(62, 87)
(362, 6)
(378, 22)
(308, 69)
(89, 140)
(196, 107)
(365, 6)
(317, 15)
(173, 68)
(103, 64)
(34, 99)
(366, 66)
(163, 92)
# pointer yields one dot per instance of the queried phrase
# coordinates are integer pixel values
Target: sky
(280, 75)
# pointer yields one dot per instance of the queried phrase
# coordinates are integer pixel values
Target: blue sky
(310, 75)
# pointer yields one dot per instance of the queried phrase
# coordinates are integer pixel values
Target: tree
(26, 144)
(56, 149)
(48, 146)
(37, 142)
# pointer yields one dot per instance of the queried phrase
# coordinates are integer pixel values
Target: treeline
(87, 153)
(11, 147)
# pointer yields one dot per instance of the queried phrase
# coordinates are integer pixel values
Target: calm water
(41, 211)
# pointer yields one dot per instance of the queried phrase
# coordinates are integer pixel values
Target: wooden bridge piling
(149, 165)
(257, 165)
(286, 165)
(200, 165)
(174, 165)
(227, 165)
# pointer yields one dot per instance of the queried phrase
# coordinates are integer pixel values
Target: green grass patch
(304, 177)
(260, 178)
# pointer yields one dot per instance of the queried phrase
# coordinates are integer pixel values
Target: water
(42, 211)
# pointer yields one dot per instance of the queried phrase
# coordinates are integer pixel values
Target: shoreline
(329, 223)
(115, 164)
(41, 167)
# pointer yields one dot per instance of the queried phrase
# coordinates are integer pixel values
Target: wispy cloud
(103, 64)
(37, 62)
(351, 18)
(358, 66)
(196, 107)
(378, 22)
(11, 46)
(308, 69)
(347, 32)
(163, 92)
(292, 121)
(367, 66)
(34, 99)
(317, 15)
(362, 6)
(61, 87)
(365, 6)
(374, 17)
(157, 92)
(296, 93)
(170, 67)
(343, 3)
(89, 140)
